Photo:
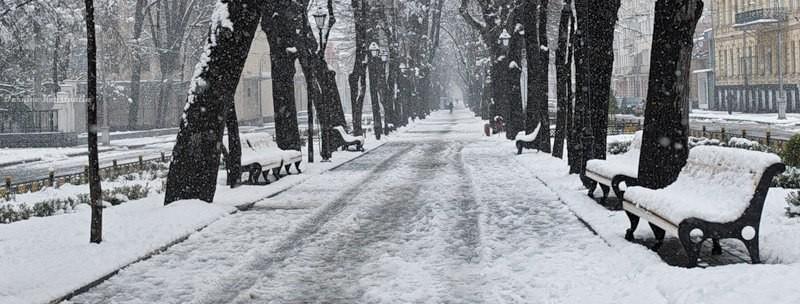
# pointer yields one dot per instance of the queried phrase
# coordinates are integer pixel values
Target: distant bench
(350, 140)
(527, 141)
(260, 156)
(719, 194)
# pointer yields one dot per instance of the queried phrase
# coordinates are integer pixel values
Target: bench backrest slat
(732, 167)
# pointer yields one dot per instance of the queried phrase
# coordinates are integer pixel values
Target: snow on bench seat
(255, 156)
(604, 171)
(622, 164)
(351, 140)
(718, 194)
(527, 141)
(716, 185)
(263, 143)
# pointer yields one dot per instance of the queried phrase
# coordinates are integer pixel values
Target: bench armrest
(629, 181)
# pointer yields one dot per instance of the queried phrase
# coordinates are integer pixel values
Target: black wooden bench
(350, 140)
(610, 172)
(256, 160)
(719, 194)
(527, 141)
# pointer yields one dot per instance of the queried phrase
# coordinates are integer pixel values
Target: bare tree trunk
(374, 96)
(564, 80)
(195, 163)
(581, 115)
(277, 25)
(136, 67)
(95, 190)
(665, 142)
(537, 68)
(604, 16)
(357, 79)
(233, 159)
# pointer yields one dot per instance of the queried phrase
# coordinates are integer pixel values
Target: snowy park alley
(438, 213)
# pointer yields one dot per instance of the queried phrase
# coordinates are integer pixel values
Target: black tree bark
(358, 78)
(136, 66)
(581, 119)
(196, 156)
(603, 15)
(563, 80)
(666, 125)
(538, 70)
(277, 25)
(95, 190)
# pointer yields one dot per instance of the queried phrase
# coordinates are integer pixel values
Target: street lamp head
(319, 17)
(384, 55)
(403, 68)
(374, 49)
(505, 37)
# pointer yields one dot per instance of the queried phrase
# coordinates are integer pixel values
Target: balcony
(761, 16)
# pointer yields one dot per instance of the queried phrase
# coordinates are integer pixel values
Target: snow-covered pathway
(438, 215)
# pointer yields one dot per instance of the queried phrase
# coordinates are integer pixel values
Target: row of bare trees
(583, 44)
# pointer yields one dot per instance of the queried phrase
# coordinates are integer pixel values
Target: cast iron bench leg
(592, 187)
(297, 166)
(266, 176)
(752, 248)
(659, 233)
(288, 167)
(634, 223)
(716, 249)
(606, 190)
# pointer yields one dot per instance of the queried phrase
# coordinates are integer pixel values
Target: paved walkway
(438, 215)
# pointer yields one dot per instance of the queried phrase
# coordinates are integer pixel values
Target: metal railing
(9, 188)
(724, 135)
(779, 14)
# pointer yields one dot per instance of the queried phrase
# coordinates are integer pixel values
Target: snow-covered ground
(46, 258)
(767, 118)
(441, 214)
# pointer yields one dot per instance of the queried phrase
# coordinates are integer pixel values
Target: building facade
(633, 36)
(757, 44)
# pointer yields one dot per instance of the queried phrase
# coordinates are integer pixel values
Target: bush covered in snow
(793, 202)
(618, 147)
(702, 141)
(789, 179)
(791, 151)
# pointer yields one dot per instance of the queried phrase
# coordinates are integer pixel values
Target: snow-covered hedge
(70, 198)
(618, 147)
(793, 202)
(791, 151)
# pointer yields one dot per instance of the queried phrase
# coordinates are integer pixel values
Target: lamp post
(319, 18)
(385, 89)
(401, 95)
(374, 63)
(505, 40)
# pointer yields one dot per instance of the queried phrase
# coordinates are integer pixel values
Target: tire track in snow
(231, 285)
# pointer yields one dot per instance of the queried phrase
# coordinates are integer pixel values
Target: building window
(768, 64)
(794, 57)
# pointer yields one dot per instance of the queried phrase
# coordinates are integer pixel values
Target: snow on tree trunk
(195, 163)
(277, 25)
(665, 142)
(563, 80)
(95, 190)
(601, 40)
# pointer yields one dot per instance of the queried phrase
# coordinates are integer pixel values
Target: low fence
(10, 188)
(723, 136)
